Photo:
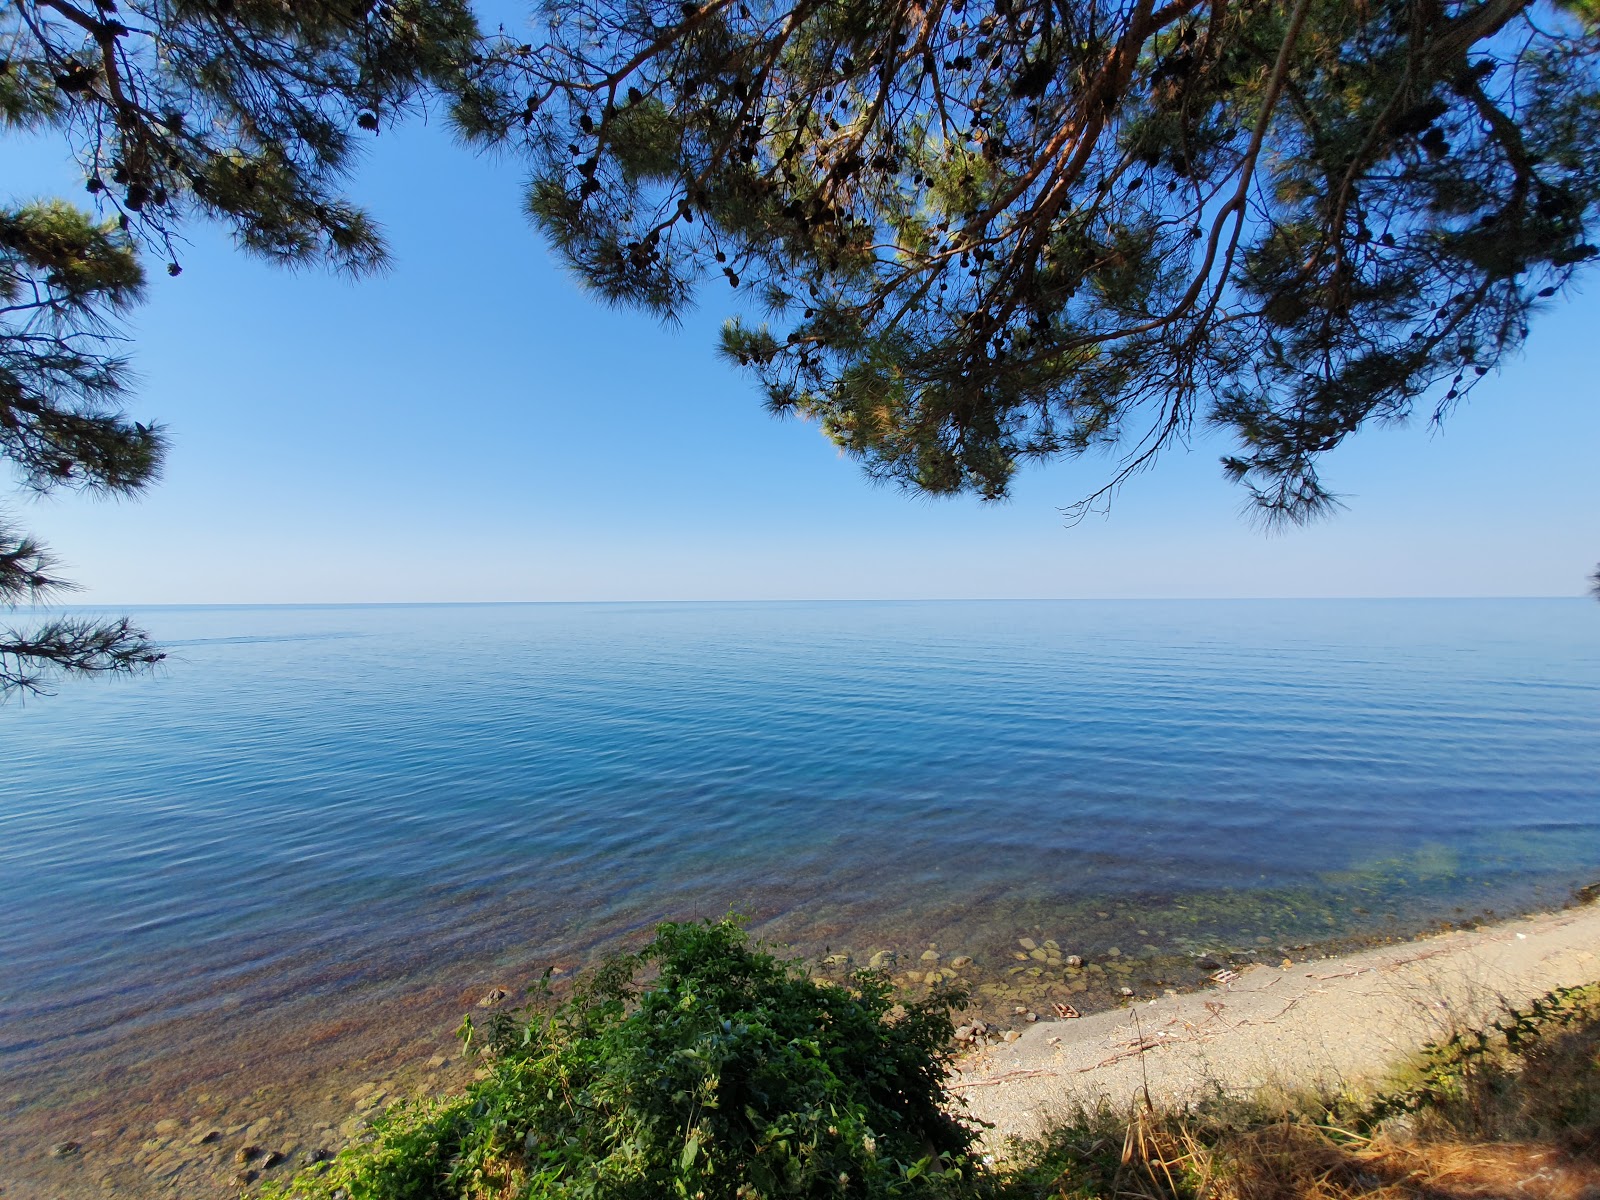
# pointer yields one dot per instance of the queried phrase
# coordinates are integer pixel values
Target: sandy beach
(1340, 1021)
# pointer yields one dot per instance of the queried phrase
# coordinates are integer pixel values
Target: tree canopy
(975, 233)
(961, 235)
(238, 111)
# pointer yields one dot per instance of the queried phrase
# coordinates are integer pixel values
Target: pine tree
(966, 234)
(975, 233)
(238, 111)
(63, 276)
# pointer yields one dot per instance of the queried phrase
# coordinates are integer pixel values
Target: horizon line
(28, 608)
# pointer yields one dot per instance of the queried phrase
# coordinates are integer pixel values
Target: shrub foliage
(706, 1069)
(978, 235)
(699, 1067)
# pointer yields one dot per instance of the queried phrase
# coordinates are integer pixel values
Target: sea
(309, 812)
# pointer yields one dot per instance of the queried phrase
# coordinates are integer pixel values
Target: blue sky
(472, 427)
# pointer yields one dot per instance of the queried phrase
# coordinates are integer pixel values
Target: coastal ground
(1333, 1021)
(1337, 1022)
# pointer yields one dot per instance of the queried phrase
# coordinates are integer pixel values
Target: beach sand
(1336, 1022)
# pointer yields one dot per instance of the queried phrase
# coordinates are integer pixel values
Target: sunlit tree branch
(970, 234)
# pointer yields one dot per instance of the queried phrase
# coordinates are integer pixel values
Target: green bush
(700, 1067)
(703, 1068)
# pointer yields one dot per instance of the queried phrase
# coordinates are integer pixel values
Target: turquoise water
(333, 801)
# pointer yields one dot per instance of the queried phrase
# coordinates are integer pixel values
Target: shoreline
(310, 1088)
(1342, 1022)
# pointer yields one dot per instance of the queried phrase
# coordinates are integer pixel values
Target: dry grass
(1290, 1162)
(1511, 1113)
(1174, 1159)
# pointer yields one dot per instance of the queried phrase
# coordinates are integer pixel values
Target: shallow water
(339, 803)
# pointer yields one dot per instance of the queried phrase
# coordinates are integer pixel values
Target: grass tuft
(1511, 1110)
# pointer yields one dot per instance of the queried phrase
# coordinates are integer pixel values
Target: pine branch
(984, 235)
(242, 113)
(67, 647)
(25, 570)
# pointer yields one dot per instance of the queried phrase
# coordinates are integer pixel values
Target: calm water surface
(333, 800)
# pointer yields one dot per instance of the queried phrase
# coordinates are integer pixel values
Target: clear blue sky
(473, 427)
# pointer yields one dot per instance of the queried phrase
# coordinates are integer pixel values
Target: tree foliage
(961, 234)
(63, 277)
(239, 111)
(974, 233)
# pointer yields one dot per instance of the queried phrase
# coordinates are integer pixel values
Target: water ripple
(312, 797)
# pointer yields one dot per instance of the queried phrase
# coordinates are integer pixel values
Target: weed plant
(1509, 1110)
(701, 1067)
(1533, 1074)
